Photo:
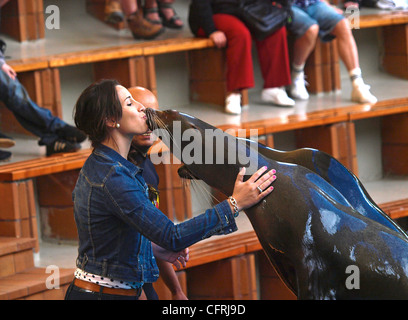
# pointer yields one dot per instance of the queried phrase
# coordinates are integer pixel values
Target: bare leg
(140, 27)
(129, 6)
(151, 11)
(304, 45)
(346, 45)
(349, 55)
(169, 14)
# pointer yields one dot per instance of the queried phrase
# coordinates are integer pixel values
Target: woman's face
(133, 117)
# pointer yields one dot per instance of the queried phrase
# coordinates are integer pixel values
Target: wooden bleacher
(24, 184)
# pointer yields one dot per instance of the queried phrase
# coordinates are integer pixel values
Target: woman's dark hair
(95, 105)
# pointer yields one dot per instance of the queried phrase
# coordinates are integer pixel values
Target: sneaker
(3, 47)
(361, 94)
(277, 96)
(5, 155)
(297, 89)
(71, 134)
(143, 29)
(233, 103)
(59, 146)
(5, 141)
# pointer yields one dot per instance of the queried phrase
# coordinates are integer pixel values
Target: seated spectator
(131, 10)
(54, 133)
(315, 18)
(146, 22)
(221, 23)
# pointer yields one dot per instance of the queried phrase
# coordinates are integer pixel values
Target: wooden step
(396, 209)
(32, 285)
(19, 279)
(16, 255)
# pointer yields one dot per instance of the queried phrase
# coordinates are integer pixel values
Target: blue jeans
(317, 13)
(39, 121)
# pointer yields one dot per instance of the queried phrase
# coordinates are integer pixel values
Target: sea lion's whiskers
(206, 197)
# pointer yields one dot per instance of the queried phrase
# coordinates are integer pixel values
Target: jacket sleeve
(201, 17)
(132, 205)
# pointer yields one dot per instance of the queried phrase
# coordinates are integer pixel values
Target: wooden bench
(134, 64)
(20, 180)
(393, 32)
(23, 19)
(131, 65)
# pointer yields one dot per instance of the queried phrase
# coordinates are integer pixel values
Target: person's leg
(346, 45)
(138, 25)
(151, 12)
(37, 120)
(240, 74)
(33, 118)
(302, 48)
(334, 25)
(129, 7)
(305, 30)
(274, 62)
(169, 16)
(274, 59)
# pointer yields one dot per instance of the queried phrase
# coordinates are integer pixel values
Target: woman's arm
(130, 204)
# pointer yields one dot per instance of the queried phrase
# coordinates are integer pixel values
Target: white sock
(356, 77)
(297, 70)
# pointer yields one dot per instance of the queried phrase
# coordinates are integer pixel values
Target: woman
(116, 221)
(219, 20)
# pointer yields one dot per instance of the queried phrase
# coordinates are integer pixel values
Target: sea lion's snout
(150, 114)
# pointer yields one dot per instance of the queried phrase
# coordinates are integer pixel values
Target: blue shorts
(317, 13)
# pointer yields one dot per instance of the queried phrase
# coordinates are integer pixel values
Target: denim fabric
(116, 220)
(317, 13)
(33, 118)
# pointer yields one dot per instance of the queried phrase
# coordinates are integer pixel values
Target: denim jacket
(116, 220)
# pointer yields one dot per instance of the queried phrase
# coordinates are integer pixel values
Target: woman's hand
(219, 39)
(178, 259)
(249, 193)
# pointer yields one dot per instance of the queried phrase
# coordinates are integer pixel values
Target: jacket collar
(105, 151)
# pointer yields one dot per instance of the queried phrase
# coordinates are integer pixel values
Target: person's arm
(130, 203)
(202, 13)
(165, 260)
(170, 279)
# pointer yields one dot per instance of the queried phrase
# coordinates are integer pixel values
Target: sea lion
(311, 233)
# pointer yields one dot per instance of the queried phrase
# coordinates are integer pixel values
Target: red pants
(272, 55)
